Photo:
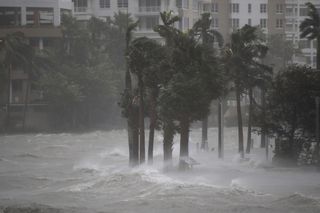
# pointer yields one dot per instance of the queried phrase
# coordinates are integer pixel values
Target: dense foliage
(290, 110)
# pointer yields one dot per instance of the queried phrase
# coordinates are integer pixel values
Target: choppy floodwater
(89, 173)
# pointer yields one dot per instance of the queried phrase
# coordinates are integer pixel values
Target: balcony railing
(81, 9)
(150, 9)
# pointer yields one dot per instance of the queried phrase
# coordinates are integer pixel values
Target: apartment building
(147, 11)
(295, 12)
(281, 17)
(39, 20)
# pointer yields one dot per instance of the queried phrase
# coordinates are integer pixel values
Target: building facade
(281, 17)
(295, 12)
(39, 21)
(147, 11)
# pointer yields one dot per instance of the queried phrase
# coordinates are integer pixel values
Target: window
(304, 11)
(207, 7)
(249, 8)
(179, 3)
(215, 23)
(182, 4)
(289, 11)
(279, 8)
(235, 23)
(122, 3)
(104, 3)
(149, 5)
(186, 4)
(234, 8)
(215, 7)
(10, 16)
(249, 21)
(40, 16)
(263, 8)
(263, 23)
(148, 22)
(80, 5)
(279, 23)
(195, 4)
(304, 44)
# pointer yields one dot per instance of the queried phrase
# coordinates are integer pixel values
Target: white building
(40, 21)
(251, 12)
(48, 11)
(147, 11)
(296, 12)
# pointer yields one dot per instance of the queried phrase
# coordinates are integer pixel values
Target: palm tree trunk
(263, 128)
(204, 141)
(153, 119)
(8, 115)
(240, 128)
(317, 130)
(318, 53)
(168, 135)
(133, 122)
(249, 121)
(184, 137)
(184, 142)
(141, 122)
(26, 102)
(220, 130)
(132, 131)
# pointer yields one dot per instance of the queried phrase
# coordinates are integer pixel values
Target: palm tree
(124, 27)
(202, 30)
(168, 32)
(244, 50)
(259, 76)
(133, 132)
(310, 28)
(146, 59)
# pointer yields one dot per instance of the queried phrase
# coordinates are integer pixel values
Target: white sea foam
(91, 171)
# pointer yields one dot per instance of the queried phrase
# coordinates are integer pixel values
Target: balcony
(81, 9)
(150, 9)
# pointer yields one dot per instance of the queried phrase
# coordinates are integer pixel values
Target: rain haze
(178, 106)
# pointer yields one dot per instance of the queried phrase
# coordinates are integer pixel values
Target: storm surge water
(90, 173)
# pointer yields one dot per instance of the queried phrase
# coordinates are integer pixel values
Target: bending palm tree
(310, 28)
(244, 49)
(168, 32)
(203, 31)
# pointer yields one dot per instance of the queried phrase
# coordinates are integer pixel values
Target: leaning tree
(241, 55)
(147, 61)
(194, 83)
(203, 32)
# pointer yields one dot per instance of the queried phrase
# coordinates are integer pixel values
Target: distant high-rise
(281, 17)
(147, 11)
